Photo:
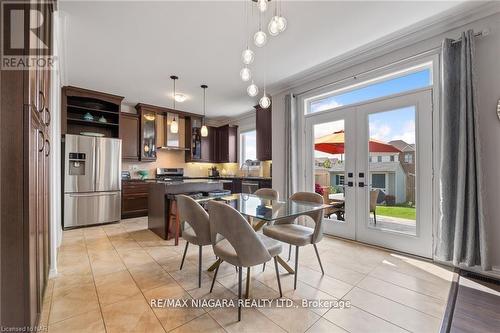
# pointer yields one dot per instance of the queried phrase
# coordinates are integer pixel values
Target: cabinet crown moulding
(164, 110)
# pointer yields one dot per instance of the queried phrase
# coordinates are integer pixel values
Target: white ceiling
(131, 48)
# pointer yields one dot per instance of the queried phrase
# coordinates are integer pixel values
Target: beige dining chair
(198, 232)
(290, 232)
(234, 241)
(267, 192)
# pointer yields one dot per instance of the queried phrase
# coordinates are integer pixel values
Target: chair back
(267, 192)
(373, 199)
(316, 216)
(230, 224)
(193, 213)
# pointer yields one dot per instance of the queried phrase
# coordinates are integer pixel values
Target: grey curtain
(291, 151)
(461, 230)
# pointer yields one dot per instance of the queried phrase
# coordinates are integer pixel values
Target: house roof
(402, 145)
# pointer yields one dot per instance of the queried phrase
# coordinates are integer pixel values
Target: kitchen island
(162, 195)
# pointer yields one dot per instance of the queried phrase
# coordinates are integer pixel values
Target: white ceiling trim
(455, 17)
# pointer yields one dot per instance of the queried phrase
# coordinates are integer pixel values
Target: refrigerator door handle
(93, 194)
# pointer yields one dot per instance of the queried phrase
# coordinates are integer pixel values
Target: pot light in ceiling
(180, 97)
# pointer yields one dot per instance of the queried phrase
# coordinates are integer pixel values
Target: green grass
(397, 211)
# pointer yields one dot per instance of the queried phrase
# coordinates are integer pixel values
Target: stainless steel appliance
(169, 174)
(92, 182)
(249, 186)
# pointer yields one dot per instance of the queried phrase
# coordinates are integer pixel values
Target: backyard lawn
(402, 212)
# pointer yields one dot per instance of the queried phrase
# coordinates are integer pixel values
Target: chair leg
(184, 255)
(215, 276)
(374, 217)
(296, 267)
(289, 252)
(278, 275)
(199, 267)
(263, 267)
(240, 275)
(319, 259)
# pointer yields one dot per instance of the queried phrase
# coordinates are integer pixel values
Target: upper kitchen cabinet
(89, 111)
(147, 132)
(226, 147)
(194, 140)
(264, 129)
(129, 133)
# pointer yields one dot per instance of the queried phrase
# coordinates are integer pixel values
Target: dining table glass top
(265, 208)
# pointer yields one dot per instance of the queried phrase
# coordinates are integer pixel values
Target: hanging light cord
(174, 94)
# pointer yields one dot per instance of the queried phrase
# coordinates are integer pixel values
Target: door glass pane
(391, 165)
(329, 167)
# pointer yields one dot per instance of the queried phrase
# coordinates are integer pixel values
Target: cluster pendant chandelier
(276, 25)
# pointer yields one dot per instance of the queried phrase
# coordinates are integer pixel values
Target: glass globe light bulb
(204, 131)
(273, 26)
(281, 23)
(262, 4)
(245, 74)
(174, 126)
(260, 38)
(247, 56)
(252, 90)
(265, 102)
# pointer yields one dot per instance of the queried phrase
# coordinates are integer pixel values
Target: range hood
(165, 139)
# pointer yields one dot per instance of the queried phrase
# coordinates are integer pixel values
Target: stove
(168, 174)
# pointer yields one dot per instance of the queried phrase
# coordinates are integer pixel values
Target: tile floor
(108, 275)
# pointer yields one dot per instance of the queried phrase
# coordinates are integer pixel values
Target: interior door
(331, 166)
(394, 173)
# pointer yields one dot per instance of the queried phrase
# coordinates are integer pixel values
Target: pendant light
(247, 56)
(174, 126)
(262, 4)
(265, 101)
(260, 37)
(204, 129)
(273, 26)
(253, 90)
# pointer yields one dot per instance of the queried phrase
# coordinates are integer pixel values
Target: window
(392, 158)
(393, 84)
(378, 180)
(248, 146)
(408, 158)
(379, 159)
(370, 159)
(339, 179)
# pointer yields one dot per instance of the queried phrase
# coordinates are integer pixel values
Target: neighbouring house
(385, 173)
(407, 159)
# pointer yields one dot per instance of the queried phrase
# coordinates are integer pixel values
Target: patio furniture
(337, 206)
(373, 204)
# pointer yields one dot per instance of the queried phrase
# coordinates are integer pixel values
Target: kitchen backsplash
(175, 159)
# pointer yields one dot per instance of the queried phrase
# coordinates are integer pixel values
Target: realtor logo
(25, 42)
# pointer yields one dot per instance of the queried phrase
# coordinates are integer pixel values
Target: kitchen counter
(160, 201)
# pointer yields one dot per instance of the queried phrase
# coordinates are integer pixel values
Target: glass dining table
(261, 210)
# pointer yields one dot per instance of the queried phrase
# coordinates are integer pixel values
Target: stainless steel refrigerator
(92, 183)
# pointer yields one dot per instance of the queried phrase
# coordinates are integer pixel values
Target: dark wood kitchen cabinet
(129, 133)
(225, 144)
(134, 198)
(25, 139)
(264, 129)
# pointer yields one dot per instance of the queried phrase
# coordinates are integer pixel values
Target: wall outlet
(134, 167)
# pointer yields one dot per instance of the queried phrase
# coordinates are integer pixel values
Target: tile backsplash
(175, 159)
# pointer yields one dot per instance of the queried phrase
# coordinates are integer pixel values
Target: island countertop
(161, 207)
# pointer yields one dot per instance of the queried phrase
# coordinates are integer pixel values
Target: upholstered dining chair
(267, 192)
(198, 232)
(236, 242)
(290, 232)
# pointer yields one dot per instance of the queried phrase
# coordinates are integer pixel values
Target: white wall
(488, 73)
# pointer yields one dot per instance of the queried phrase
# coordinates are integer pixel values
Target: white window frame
(241, 145)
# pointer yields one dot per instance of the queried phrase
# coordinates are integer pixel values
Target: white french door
(373, 163)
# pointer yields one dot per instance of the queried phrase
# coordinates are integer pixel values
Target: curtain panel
(461, 235)
(291, 148)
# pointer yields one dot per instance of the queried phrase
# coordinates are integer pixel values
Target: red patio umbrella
(334, 144)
